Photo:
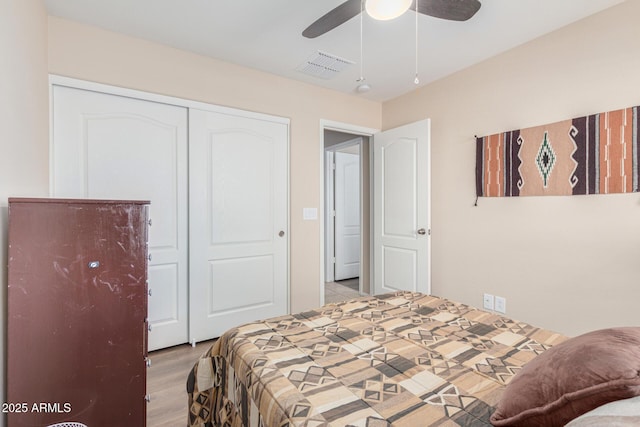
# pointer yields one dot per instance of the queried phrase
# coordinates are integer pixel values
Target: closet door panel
(109, 146)
(245, 273)
(239, 232)
(148, 165)
(240, 163)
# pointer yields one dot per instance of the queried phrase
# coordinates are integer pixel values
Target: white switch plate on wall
(487, 301)
(501, 305)
(309, 213)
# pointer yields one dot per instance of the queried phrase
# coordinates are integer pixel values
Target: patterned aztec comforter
(399, 359)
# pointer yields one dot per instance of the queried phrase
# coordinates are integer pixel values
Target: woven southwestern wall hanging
(596, 154)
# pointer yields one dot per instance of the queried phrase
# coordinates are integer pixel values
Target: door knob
(281, 233)
(422, 231)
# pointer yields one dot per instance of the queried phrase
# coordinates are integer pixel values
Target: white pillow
(620, 413)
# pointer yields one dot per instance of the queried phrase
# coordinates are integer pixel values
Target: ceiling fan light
(383, 10)
(363, 88)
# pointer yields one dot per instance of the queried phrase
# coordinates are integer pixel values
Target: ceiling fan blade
(453, 10)
(333, 19)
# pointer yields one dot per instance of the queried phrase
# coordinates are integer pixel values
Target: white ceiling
(266, 35)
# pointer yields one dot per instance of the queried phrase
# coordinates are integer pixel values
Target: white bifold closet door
(239, 220)
(115, 147)
(218, 185)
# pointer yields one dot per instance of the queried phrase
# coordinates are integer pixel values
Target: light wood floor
(166, 383)
(341, 290)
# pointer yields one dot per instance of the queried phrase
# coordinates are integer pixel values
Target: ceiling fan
(453, 10)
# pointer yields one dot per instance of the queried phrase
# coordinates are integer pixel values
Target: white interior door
(114, 147)
(239, 221)
(347, 219)
(401, 209)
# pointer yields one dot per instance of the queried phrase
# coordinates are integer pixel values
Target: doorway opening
(347, 215)
(396, 176)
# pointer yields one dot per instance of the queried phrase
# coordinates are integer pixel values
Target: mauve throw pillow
(572, 378)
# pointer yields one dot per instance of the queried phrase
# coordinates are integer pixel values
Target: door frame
(355, 131)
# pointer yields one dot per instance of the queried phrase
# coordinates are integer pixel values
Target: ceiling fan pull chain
(417, 80)
(361, 43)
(362, 87)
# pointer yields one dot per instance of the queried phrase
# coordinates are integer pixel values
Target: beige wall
(24, 133)
(93, 54)
(567, 263)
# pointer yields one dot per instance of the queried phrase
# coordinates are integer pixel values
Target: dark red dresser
(77, 310)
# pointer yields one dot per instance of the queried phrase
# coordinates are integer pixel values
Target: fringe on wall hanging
(596, 154)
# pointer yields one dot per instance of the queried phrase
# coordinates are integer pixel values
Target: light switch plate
(487, 301)
(501, 305)
(309, 214)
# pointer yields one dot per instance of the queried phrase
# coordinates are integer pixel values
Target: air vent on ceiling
(323, 65)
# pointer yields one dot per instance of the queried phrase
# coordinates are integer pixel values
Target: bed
(401, 359)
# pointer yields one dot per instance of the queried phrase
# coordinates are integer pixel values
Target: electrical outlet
(501, 305)
(487, 301)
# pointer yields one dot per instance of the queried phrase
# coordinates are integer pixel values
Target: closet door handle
(422, 231)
